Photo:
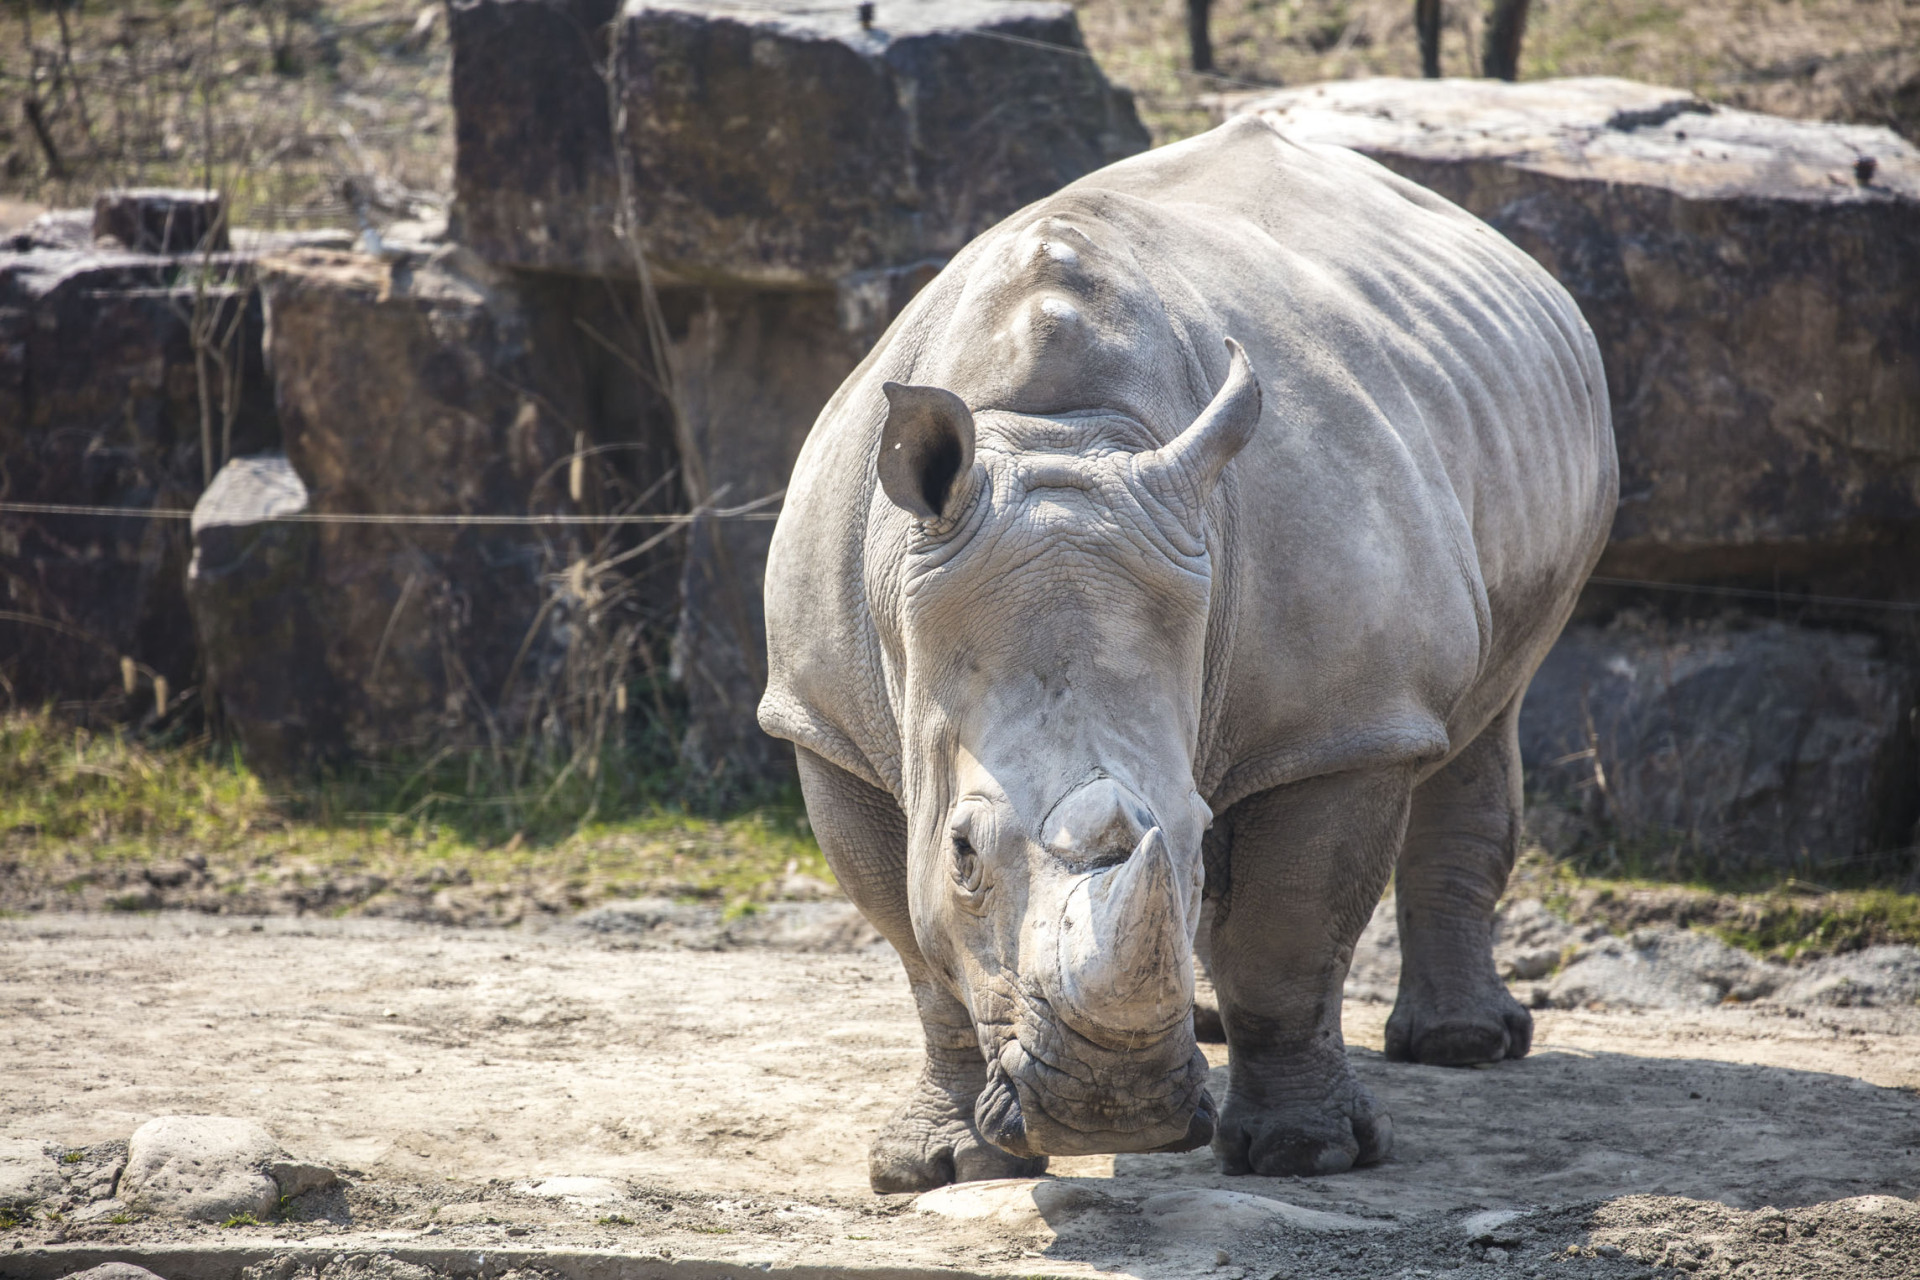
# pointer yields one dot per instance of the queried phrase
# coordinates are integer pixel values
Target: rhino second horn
(1125, 948)
(1181, 474)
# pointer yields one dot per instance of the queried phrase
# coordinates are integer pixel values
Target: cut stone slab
(769, 147)
(162, 220)
(207, 1168)
(1754, 283)
(1770, 748)
(27, 1173)
(1207, 1214)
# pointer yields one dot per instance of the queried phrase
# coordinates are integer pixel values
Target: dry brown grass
(1855, 60)
(277, 102)
(282, 102)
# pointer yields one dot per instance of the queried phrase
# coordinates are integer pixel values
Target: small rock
(1221, 1257)
(27, 1173)
(596, 1189)
(210, 1169)
(296, 1177)
(113, 1271)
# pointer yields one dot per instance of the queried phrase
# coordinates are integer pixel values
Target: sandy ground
(729, 1096)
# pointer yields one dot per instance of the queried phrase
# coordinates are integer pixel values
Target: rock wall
(1755, 286)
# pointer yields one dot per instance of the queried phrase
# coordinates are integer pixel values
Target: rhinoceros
(1167, 579)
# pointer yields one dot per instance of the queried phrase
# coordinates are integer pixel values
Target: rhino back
(1431, 480)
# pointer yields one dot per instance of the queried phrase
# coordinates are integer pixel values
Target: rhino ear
(926, 449)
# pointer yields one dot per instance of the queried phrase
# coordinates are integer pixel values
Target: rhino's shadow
(1567, 1125)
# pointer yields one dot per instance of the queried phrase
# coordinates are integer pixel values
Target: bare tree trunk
(1506, 25)
(1426, 21)
(1197, 36)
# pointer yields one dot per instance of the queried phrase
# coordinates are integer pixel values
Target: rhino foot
(931, 1142)
(1458, 1032)
(1303, 1138)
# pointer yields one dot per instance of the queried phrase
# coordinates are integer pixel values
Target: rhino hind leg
(931, 1140)
(1293, 874)
(1462, 836)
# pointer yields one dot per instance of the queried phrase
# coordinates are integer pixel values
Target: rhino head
(1051, 644)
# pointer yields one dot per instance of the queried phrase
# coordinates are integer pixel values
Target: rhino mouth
(1094, 1101)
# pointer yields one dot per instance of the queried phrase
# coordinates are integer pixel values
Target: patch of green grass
(85, 812)
(73, 1157)
(122, 1218)
(1784, 921)
(714, 1231)
(11, 1217)
(1784, 928)
(614, 1220)
(241, 1220)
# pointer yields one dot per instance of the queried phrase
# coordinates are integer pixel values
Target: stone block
(768, 147)
(1727, 748)
(162, 220)
(250, 588)
(1755, 286)
(410, 389)
(101, 405)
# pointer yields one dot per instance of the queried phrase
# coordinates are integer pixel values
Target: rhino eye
(967, 871)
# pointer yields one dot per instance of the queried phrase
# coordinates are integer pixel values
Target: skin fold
(1168, 578)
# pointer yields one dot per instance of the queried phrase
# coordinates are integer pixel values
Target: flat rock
(1206, 1214)
(769, 146)
(1754, 284)
(576, 1188)
(27, 1173)
(207, 1168)
(1017, 1203)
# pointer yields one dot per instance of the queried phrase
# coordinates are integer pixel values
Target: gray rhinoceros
(1175, 566)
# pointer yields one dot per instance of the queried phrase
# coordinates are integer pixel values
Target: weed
(11, 1217)
(122, 1218)
(714, 1231)
(614, 1220)
(241, 1220)
(73, 1157)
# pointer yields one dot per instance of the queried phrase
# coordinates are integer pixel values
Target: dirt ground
(725, 1094)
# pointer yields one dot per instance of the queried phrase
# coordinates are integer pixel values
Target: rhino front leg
(1304, 865)
(1462, 838)
(931, 1140)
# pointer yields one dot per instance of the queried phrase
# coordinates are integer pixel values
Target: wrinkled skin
(1167, 579)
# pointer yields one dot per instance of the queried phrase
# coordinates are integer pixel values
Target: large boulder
(1755, 286)
(768, 146)
(1730, 749)
(101, 405)
(408, 389)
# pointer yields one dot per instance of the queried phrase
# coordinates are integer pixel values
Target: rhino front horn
(1181, 474)
(1125, 948)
